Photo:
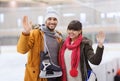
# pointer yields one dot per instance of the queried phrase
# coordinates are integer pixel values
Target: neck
(73, 39)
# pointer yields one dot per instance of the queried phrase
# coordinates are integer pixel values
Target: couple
(72, 54)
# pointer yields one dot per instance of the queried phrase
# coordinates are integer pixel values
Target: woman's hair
(75, 25)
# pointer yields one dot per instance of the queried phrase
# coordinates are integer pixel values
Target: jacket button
(33, 71)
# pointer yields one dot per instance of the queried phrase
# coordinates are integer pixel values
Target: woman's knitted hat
(51, 13)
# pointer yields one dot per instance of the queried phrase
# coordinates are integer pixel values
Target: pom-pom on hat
(51, 13)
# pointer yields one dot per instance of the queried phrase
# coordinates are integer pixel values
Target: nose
(70, 31)
(52, 20)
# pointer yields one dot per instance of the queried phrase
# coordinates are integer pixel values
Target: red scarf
(75, 57)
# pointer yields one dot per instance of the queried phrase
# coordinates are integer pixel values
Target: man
(32, 41)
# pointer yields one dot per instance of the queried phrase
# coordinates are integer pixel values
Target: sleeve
(25, 42)
(94, 58)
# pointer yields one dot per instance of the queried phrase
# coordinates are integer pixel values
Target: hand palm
(100, 37)
(26, 25)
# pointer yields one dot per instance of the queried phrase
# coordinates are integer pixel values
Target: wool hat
(51, 13)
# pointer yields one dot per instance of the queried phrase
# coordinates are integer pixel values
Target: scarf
(48, 32)
(52, 44)
(75, 57)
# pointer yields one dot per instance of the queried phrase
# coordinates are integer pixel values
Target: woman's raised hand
(100, 38)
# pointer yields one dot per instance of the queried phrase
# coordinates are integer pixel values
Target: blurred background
(95, 15)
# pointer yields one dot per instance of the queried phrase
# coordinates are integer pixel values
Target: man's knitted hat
(51, 13)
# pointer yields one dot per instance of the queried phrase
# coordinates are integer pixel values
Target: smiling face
(73, 34)
(51, 23)
(74, 29)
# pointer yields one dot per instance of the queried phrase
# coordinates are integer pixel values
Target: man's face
(51, 23)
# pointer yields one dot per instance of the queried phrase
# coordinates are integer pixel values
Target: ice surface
(12, 63)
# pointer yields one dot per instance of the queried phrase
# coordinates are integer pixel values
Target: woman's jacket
(87, 54)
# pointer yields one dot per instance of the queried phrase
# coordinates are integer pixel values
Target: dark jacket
(87, 54)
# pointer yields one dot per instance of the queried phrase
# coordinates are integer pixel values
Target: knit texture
(51, 13)
(75, 58)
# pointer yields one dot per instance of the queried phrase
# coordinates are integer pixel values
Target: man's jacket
(32, 44)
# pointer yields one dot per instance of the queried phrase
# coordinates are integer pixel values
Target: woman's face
(73, 34)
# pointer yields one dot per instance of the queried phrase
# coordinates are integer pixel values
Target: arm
(23, 42)
(22, 45)
(95, 58)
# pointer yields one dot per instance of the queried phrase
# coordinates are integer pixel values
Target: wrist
(25, 33)
(100, 45)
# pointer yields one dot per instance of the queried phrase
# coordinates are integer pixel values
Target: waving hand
(26, 25)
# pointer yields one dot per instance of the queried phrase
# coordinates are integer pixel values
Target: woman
(76, 51)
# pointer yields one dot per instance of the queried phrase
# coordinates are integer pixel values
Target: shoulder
(86, 40)
(59, 34)
(36, 32)
(36, 26)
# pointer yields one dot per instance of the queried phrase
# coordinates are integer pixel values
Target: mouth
(71, 35)
(52, 25)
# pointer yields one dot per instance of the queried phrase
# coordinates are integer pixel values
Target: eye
(49, 18)
(55, 19)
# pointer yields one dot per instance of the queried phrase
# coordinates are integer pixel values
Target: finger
(101, 34)
(25, 21)
(101, 37)
(30, 22)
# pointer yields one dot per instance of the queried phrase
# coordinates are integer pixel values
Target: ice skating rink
(12, 64)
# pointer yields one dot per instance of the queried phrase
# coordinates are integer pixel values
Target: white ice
(12, 63)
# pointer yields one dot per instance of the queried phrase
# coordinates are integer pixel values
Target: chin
(51, 29)
(71, 37)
